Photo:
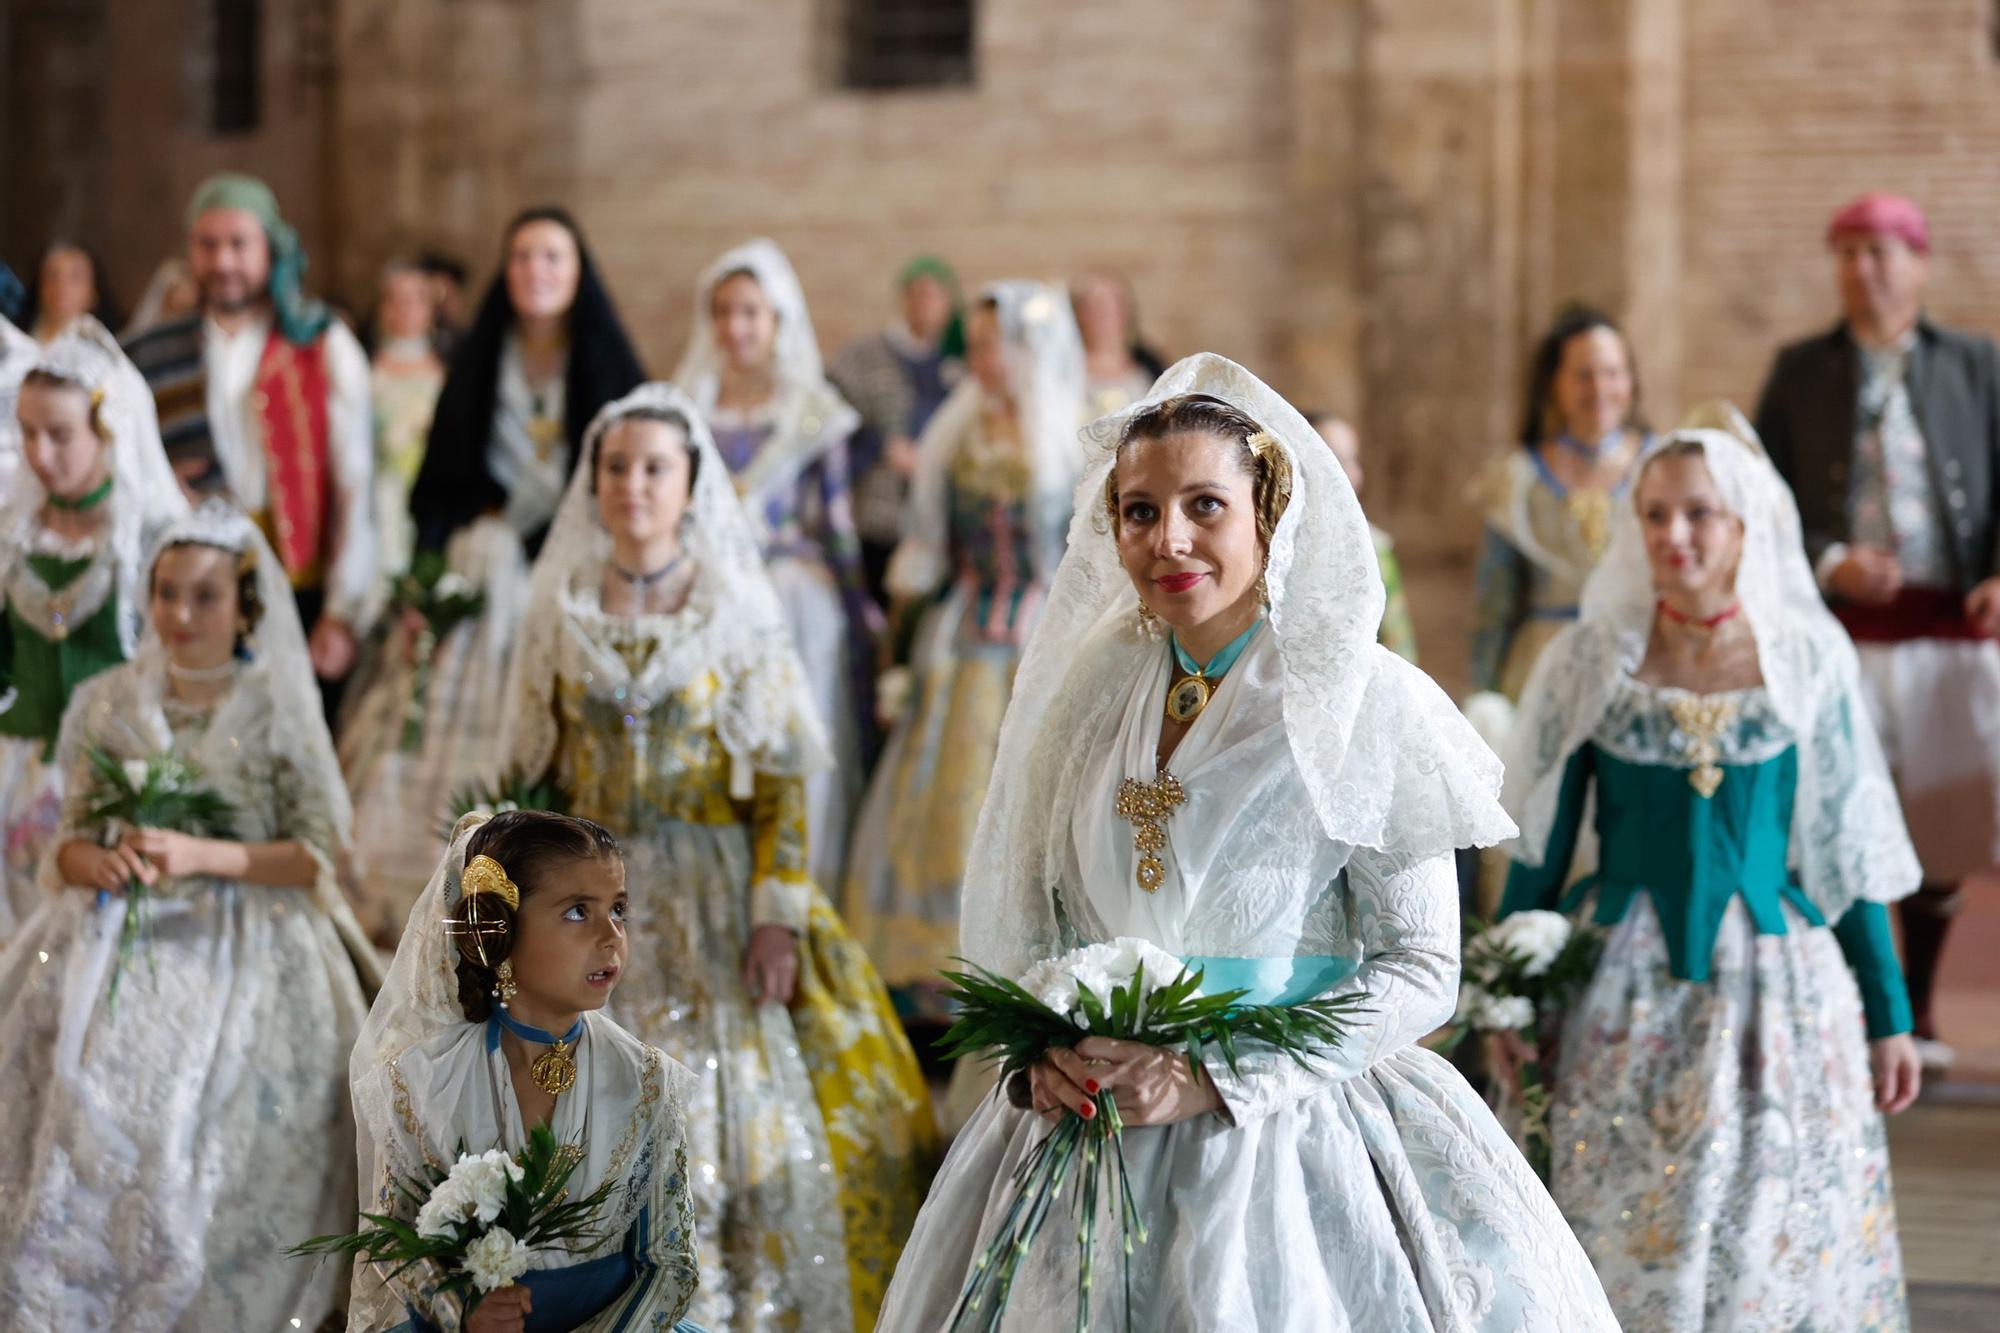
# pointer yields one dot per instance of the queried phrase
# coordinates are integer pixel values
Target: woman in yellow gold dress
(656, 684)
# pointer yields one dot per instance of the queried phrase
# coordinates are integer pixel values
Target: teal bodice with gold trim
(1692, 854)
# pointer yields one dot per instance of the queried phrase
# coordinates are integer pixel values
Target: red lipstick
(1180, 582)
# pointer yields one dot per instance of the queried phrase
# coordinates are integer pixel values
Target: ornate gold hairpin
(483, 874)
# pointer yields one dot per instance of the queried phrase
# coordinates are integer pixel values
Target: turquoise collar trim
(1219, 664)
(502, 1019)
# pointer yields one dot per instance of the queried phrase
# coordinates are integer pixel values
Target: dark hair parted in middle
(1262, 460)
(249, 602)
(529, 845)
(1538, 421)
(665, 416)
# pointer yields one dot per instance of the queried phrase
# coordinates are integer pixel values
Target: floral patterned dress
(813, 556)
(1717, 1146)
(810, 1136)
(910, 845)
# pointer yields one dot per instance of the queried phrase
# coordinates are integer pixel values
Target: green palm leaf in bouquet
(1055, 1005)
(512, 790)
(162, 791)
(528, 1205)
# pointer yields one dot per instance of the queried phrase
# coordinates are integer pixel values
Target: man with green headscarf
(262, 393)
(896, 379)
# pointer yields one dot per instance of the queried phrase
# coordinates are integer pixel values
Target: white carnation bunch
(1103, 968)
(475, 1190)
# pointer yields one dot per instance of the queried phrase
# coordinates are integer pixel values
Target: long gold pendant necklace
(1148, 805)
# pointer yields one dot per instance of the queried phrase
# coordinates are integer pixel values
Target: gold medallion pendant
(545, 433)
(554, 1070)
(1189, 695)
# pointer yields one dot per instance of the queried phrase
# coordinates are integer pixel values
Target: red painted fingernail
(1088, 1110)
(1090, 1086)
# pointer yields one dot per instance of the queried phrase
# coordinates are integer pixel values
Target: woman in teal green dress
(92, 486)
(989, 513)
(1721, 1077)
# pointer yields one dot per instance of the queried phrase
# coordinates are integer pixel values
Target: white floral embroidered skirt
(164, 1153)
(1717, 1147)
(1387, 1203)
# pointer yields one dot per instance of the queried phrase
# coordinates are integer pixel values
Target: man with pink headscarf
(1888, 429)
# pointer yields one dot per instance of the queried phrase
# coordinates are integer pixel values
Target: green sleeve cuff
(1870, 947)
(1538, 888)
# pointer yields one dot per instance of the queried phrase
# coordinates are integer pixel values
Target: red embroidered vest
(290, 395)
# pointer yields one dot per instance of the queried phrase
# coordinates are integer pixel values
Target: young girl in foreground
(490, 1026)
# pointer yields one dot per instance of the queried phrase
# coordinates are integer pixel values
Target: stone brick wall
(1377, 205)
(1793, 107)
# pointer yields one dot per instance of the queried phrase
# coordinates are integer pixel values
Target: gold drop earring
(505, 989)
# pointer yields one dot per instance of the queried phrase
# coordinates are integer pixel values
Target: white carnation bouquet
(1131, 990)
(479, 1222)
(1517, 974)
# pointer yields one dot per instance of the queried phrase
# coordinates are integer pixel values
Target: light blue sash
(1289, 980)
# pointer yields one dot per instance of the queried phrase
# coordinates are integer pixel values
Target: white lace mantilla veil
(1044, 356)
(733, 623)
(1389, 763)
(417, 1001)
(1848, 839)
(277, 690)
(17, 352)
(144, 493)
(812, 416)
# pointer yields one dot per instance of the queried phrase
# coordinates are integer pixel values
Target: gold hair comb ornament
(483, 874)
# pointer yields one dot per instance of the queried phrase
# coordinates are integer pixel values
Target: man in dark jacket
(1887, 427)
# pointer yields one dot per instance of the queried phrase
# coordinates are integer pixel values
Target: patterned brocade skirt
(1717, 1147)
(906, 864)
(810, 1133)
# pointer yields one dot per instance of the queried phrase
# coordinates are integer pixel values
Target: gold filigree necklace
(1148, 805)
(1702, 718)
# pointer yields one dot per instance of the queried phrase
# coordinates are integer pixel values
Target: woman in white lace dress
(1719, 1145)
(168, 1146)
(1327, 784)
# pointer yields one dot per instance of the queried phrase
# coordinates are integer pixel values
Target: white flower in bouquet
(476, 1190)
(135, 771)
(1536, 938)
(1100, 967)
(496, 1259)
(1505, 1013)
(1481, 1009)
(486, 1178)
(452, 585)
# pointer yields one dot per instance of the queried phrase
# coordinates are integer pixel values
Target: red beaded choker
(1707, 624)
